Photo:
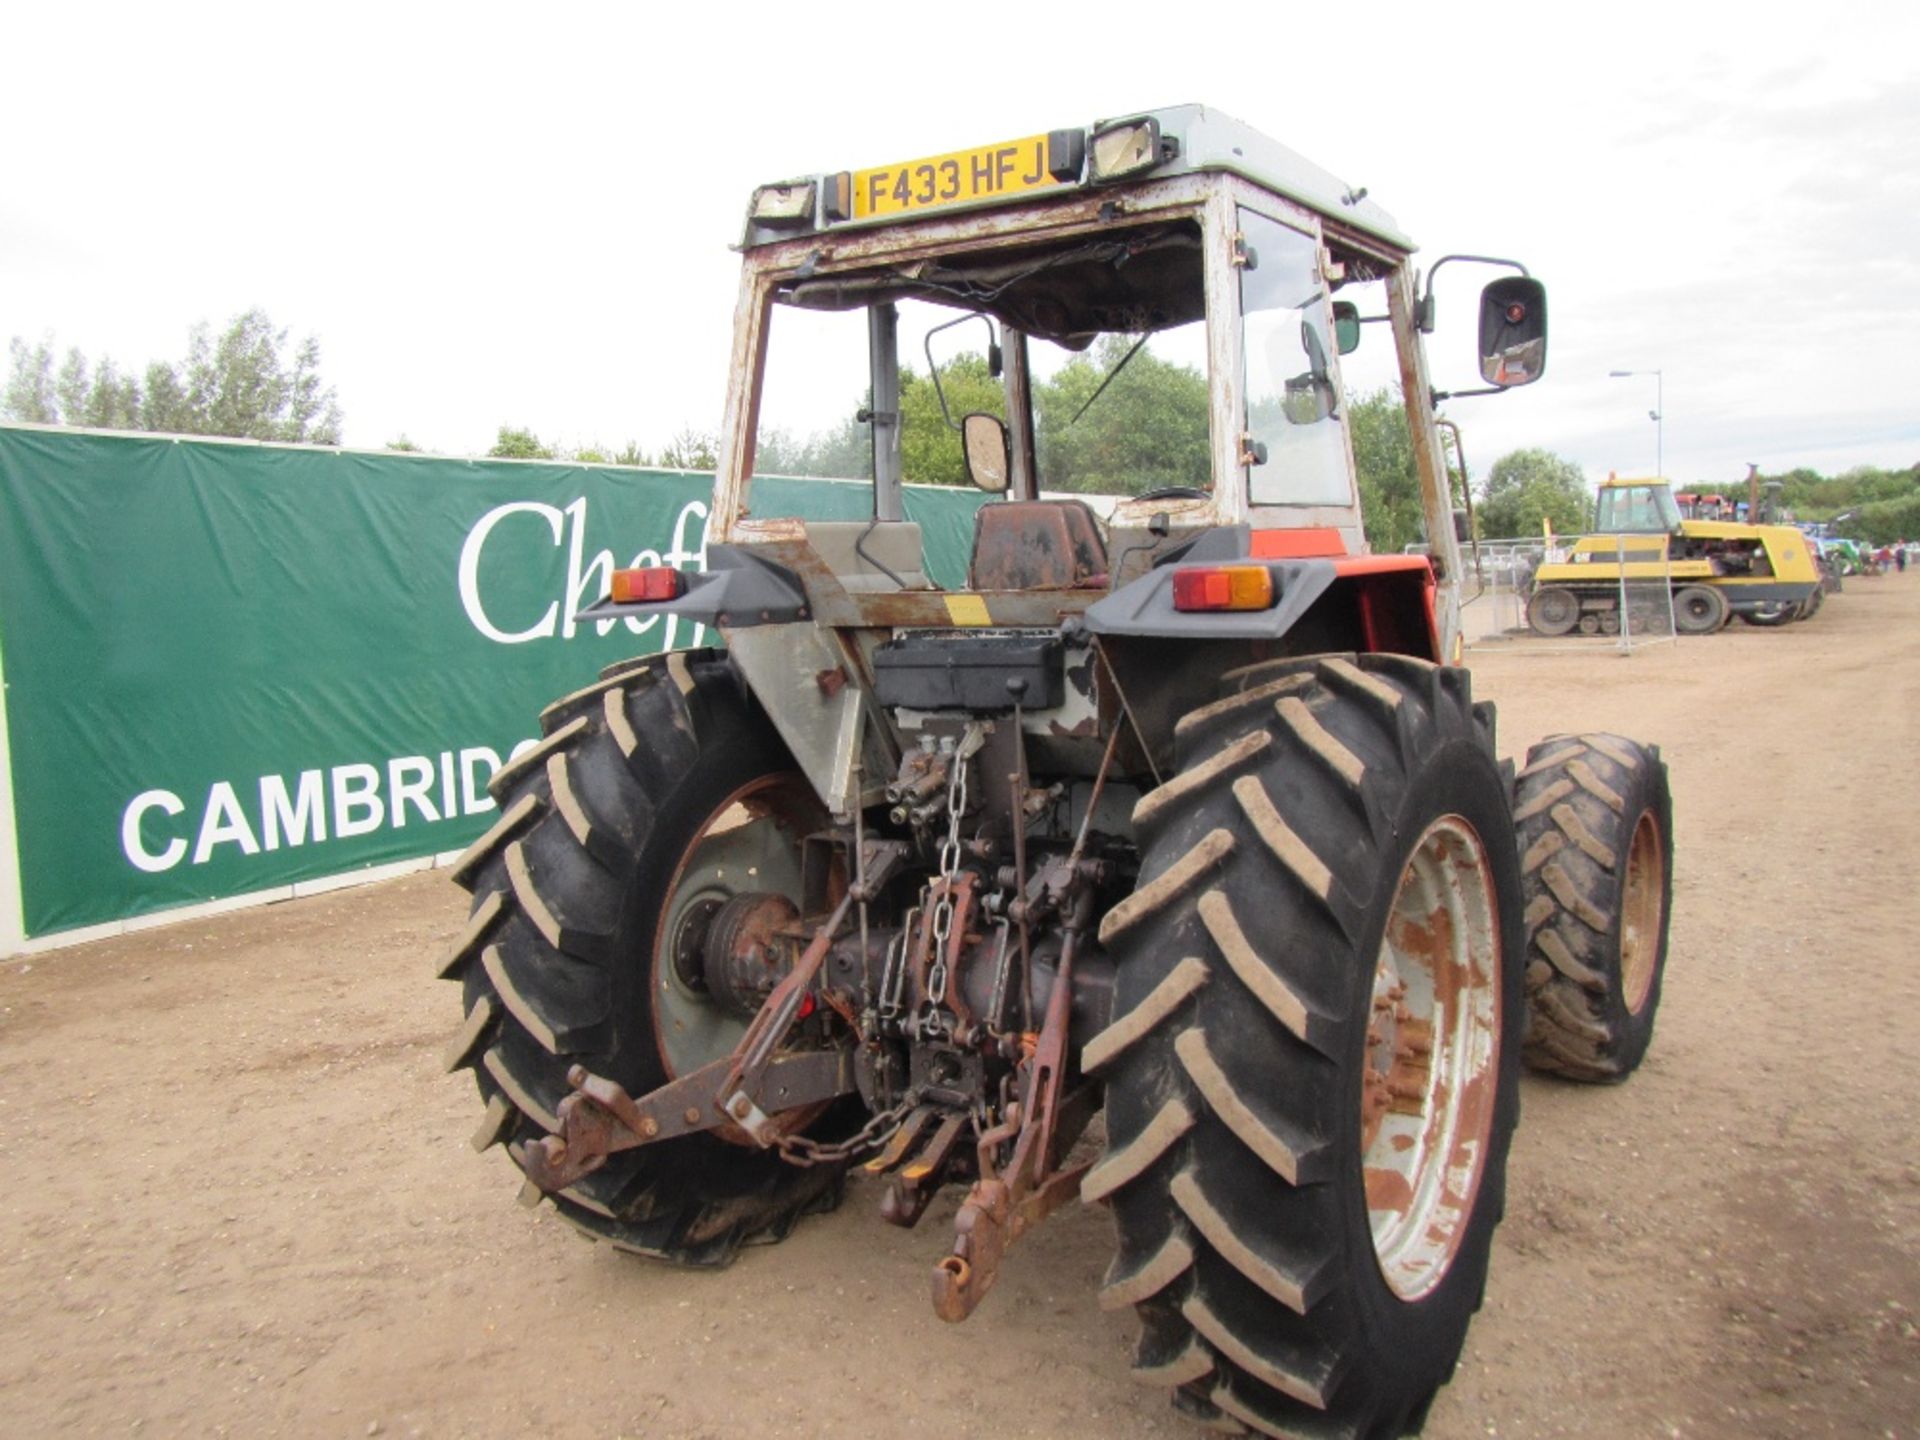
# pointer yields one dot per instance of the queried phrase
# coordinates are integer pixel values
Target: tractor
(1165, 865)
(1644, 534)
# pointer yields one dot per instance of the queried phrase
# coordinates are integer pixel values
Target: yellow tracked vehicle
(1765, 574)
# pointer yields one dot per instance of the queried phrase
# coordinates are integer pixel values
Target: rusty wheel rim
(750, 842)
(1433, 1047)
(1641, 905)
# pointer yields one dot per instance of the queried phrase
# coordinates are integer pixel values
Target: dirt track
(240, 1200)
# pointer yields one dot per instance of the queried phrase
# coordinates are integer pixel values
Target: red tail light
(1223, 587)
(648, 583)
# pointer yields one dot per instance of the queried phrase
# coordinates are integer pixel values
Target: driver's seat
(1037, 545)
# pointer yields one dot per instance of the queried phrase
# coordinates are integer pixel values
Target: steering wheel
(1174, 492)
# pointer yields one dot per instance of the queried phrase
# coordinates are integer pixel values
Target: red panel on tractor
(1321, 542)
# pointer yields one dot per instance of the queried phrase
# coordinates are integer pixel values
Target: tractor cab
(1151, 312)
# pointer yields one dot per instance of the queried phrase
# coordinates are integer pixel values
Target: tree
(1882, 522)
(163, 406)
(112, 401)
(513, 444)
(70, 388)
(1389, 478)
(1148, 430)
(842, 453)
(29, 396)
(929, 445)
(1527, 486)
(691, 449)
(243, 385)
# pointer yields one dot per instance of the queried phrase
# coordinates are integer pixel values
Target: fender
(1350, 590)
(737, 590)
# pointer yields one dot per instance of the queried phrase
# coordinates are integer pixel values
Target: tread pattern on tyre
(1216, 1171)
(539, 971)
(1577, 803)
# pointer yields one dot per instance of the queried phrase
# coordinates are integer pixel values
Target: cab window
(1295, 410)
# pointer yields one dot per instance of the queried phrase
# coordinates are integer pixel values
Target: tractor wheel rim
(750, 842)
(1642, 904)
(1433, 1052)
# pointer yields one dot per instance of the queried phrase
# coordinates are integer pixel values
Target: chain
(949, 866)
(806, 1153)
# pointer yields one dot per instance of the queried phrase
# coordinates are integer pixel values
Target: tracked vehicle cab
(1645, 507)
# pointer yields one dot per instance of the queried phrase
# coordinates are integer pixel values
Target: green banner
(233, 667)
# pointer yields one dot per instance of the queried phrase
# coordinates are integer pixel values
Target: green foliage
(403, 444)
(29, 393)
(112, 401)
(1527, 486)
(1882, 522)
(518, 444)
(163, 403)
(243, 384)
(929, 446)
(1389, 478)
(691, 449)
(1880, 506)
(1149, 429)
(843, 453)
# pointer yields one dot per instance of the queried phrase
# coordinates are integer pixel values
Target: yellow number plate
(992, 172)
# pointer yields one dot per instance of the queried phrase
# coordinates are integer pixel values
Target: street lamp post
(1659, 410)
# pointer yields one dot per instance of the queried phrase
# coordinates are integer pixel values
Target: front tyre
(1313, 1077)
(1596, 836)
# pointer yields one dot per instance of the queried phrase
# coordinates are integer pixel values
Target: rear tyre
(653, 797)
(1312, 1079)
(1553, 611)
(1770, 615)
(1596, 826)
(1699, 610)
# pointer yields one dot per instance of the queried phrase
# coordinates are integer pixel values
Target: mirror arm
(933, 370)
(1438, 395)
(1426, 300)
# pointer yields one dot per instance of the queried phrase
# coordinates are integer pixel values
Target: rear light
(649, 582)
(1223, 587)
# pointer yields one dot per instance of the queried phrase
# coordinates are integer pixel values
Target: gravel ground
(241, 1201)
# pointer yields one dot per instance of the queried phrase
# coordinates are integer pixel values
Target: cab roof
(1193, 139)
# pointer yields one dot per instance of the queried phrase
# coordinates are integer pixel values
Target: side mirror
(986, 451)
(1346, 326)
(1307, 399)
(1513, 331)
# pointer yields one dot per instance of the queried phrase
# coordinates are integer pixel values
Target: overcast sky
(522, 215)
